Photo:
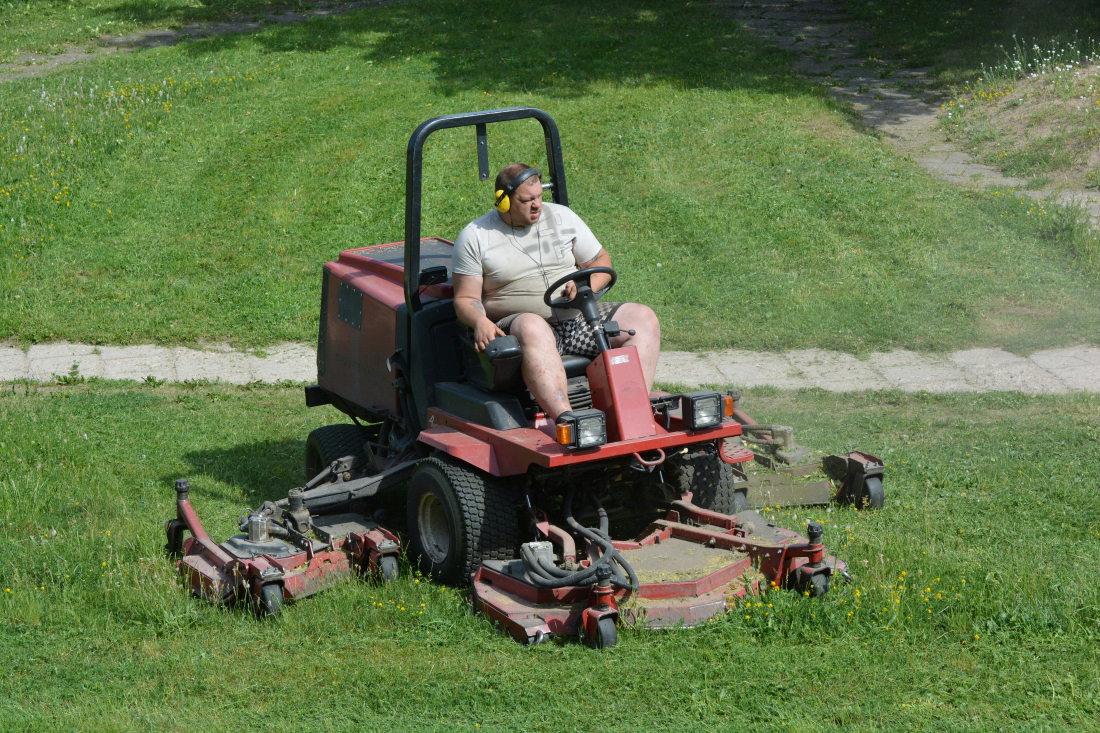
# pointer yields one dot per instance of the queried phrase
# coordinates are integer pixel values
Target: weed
(73, 377)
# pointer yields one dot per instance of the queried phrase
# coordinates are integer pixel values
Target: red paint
(513, 451)
(355, 358)
(618, 390)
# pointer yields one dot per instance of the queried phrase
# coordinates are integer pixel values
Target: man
(503, 263)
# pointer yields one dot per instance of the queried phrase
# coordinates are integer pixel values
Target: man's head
(525, 203)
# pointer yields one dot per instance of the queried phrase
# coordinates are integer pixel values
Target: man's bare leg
(542, 368)
(647, 337)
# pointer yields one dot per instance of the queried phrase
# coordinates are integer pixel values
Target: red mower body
(485, 467)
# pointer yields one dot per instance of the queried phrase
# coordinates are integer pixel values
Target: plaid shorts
(573, 336)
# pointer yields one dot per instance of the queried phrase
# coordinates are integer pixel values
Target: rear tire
(714, 484)
(458, 518)
(325, 445)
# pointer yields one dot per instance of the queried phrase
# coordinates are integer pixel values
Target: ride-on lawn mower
(525, 510)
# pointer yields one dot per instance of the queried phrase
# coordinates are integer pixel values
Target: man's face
(526, 203)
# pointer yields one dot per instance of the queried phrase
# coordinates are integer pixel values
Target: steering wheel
(586, 299)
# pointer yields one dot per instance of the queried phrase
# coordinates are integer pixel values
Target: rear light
(702, 409)
(727, 405)
(582, 428)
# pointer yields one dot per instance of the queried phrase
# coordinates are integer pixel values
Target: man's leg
(647, 337)
(542, 368)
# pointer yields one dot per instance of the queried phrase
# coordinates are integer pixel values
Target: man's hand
(470, 311)
(484, 332)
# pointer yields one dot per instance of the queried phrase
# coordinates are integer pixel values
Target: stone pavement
(893, 100)
(1073, 369)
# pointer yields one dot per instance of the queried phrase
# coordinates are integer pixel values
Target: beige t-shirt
(520, 263)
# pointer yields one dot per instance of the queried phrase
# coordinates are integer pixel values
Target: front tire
(458, 518)
(325, 445)
(714, 484)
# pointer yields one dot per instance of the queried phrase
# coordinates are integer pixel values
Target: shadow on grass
(263, 471)
(561, 49)
(960, 35)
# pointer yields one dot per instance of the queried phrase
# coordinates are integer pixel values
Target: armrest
(503, 347)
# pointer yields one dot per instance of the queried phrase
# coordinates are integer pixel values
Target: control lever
(611, 328)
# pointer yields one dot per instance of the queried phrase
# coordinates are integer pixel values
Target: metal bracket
(482, 152)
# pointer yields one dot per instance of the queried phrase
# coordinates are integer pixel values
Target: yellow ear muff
(505, 202)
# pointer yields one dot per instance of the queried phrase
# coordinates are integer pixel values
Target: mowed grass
(191, 194)
(975, 605)
(46, 27)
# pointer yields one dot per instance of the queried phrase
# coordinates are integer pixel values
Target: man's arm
(470, 311)
(603, 259)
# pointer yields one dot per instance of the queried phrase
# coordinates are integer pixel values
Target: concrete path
(1074, 369)
(894, 100)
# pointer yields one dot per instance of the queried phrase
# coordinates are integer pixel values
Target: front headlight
(582, 428)
(702, 409)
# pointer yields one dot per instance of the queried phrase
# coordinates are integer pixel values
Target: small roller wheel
(818, 585)
(271, 600)
(607, 634)
(388, 568)
(872, 496)
(174, 529)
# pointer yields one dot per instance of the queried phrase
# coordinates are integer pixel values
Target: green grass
(52, 26)
(737, 200)
(98, 634)
(958, 37)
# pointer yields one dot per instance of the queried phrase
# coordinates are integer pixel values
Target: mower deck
(270, 570)
(691, 566)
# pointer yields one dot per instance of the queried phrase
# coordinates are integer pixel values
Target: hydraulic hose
(545, 574)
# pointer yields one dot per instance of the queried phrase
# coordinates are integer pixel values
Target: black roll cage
(414, 175)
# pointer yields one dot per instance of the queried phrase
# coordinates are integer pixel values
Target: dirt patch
(1044, 128)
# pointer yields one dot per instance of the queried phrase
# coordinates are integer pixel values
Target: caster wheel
(388, 568)
(873, 496)
(818, 585)
(271, 600)
(175, 529)
(607, 634)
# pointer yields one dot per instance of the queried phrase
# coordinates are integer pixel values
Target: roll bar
(414, 171)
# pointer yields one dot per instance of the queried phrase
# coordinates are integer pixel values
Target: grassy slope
(996, 490)
(774, 222)
(52, 26)
(958, 36)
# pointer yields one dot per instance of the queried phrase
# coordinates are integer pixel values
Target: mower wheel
(457, 518)
(271, 600)
(873, 496)
(607, 634)
(713, 483)
(325, 445)
(175, 529)
(388, 567)
(818, 585)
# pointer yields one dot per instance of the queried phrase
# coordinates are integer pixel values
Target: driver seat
(498, 368)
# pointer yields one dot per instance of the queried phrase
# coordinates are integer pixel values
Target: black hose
(545, 574)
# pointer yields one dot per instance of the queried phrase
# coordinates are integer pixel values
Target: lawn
(974, 607)
(958, 37)
(190, 195)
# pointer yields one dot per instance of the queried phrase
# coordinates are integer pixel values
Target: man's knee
(531, 329)
(640, 318)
